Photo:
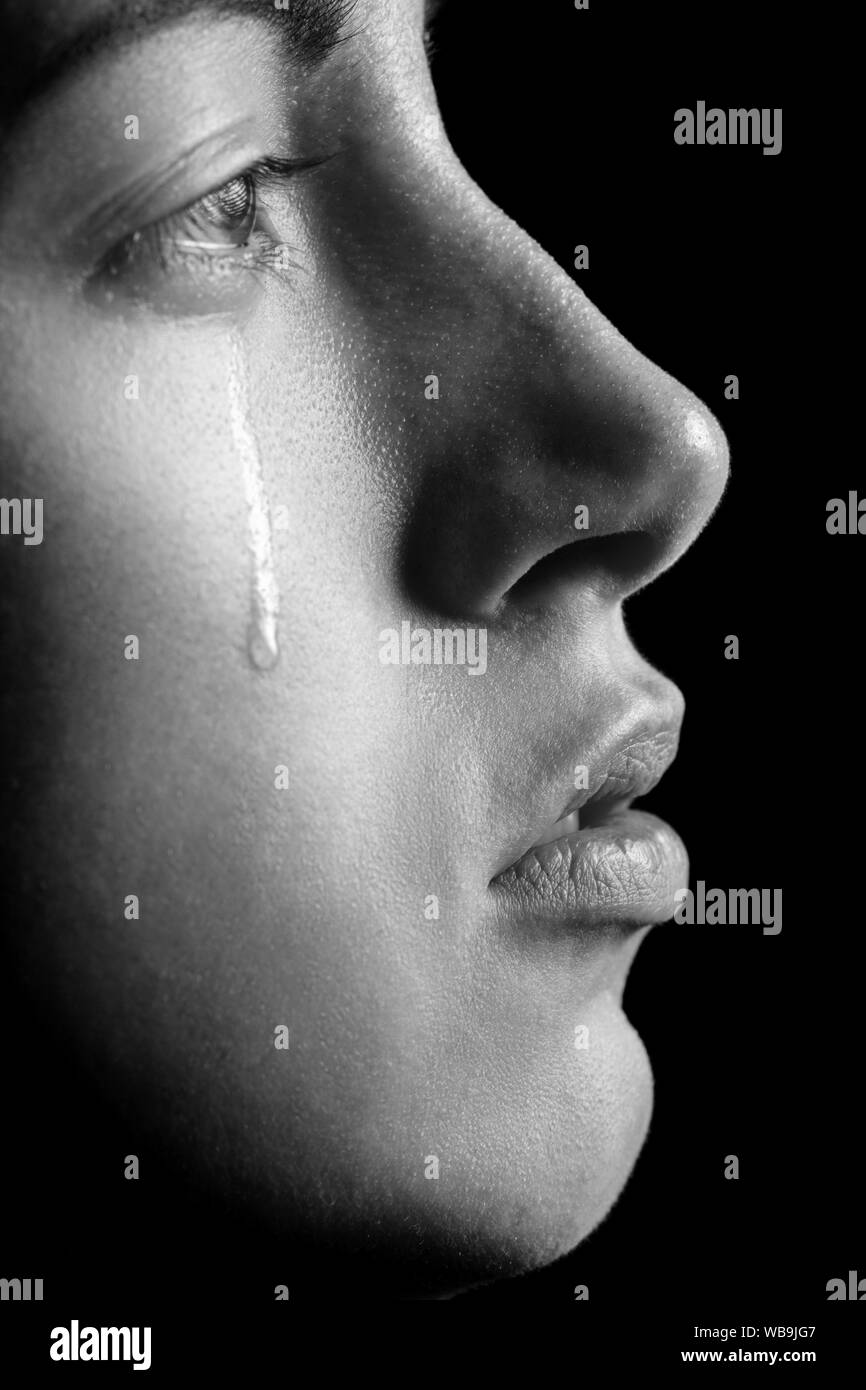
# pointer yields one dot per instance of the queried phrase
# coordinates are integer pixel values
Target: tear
(262, 645)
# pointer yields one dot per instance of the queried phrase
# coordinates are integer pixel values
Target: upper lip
(633, 770)
(630, 765)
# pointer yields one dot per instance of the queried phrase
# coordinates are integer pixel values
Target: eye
(221, 219)
(209, 232)
(198, 251)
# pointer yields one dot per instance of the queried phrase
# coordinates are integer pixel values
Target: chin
(542, 1209)
(521, 1189)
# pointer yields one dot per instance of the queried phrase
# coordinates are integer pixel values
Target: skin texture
(304, 905)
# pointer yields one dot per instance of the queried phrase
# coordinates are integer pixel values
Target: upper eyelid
(268, 169)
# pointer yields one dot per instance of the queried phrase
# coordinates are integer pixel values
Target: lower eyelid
(217, 247)
(228, 255)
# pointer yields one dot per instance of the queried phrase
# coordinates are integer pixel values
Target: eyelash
(429, 40)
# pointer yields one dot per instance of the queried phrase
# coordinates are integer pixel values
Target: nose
(556, 453)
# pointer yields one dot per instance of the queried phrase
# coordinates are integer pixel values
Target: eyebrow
(310, 30)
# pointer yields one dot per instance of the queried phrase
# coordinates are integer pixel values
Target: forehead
(39, 43)
(53, 21)
(31, 32)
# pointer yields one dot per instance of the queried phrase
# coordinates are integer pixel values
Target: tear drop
(262, 646)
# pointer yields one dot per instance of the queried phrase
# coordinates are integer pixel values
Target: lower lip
(624, 872)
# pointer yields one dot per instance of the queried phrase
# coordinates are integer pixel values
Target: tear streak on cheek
(265, 596)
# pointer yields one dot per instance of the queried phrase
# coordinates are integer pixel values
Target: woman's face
(274, 413)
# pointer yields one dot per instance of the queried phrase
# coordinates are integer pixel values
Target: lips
(601, 862)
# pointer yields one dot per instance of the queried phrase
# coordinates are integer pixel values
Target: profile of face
(321, 718)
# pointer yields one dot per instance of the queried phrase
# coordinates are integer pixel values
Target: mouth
(601, 862)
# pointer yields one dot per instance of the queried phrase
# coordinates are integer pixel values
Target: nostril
(624, 560)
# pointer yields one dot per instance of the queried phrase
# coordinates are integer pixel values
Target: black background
(705, 258)
(701, 257)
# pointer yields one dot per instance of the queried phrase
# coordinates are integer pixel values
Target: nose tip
(709, 445)
(659, 465)
(691, 470)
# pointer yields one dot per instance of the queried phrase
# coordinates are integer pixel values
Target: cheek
(267, 823)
